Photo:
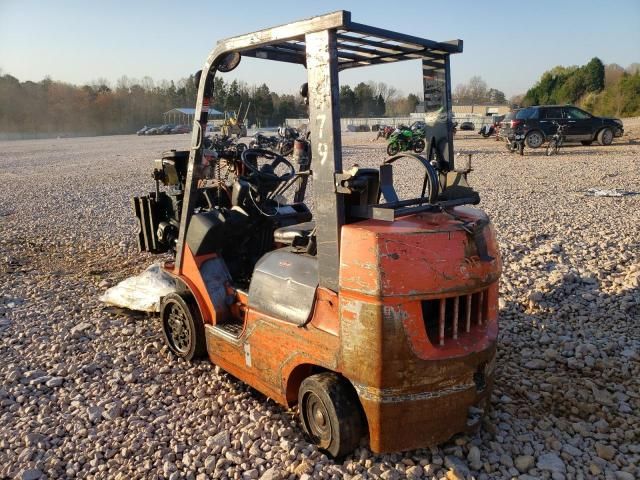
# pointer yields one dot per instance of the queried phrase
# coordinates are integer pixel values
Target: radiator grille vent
(453, 318)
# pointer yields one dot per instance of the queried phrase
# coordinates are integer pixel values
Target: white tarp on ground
(616, 192)
(141, 292)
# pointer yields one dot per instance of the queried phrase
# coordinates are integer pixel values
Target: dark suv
(537, 123)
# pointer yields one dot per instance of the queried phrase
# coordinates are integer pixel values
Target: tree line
(100, 108)
(477, 92)
(602, 90)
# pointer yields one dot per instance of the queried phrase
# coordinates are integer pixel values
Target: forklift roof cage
(325, 45)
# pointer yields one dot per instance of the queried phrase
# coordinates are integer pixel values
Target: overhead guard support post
(449, 110)
(324, 119)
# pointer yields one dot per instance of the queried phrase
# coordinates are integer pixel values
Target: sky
(509, 44)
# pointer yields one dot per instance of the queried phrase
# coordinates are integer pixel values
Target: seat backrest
(210, 231)
(365, 186)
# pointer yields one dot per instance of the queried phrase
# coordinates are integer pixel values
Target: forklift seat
(287, 235)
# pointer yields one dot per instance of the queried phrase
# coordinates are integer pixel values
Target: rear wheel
(552, 147)
(330, 413)
(605, 136)
(419, 146)
(182, 326)
(534, 139)
(393, 148)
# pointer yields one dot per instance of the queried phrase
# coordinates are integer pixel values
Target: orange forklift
(376, 314)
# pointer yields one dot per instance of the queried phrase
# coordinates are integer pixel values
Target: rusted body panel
(423, 254)
(269, 350)
(399, 420)
(415, 382)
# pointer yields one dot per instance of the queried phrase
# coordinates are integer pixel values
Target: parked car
(165, 129)
(467, 126)
(144, 129)
(538, 125)
(181, 129)
(506, 120)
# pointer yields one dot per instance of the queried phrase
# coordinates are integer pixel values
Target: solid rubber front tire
(182, 326)
(330, 413)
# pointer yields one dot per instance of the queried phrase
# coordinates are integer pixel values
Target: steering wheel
(267, 173)
(430, 185)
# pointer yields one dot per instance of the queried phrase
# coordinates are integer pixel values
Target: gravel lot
(88, 392)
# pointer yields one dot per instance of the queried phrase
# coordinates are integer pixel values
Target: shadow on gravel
(567, 372)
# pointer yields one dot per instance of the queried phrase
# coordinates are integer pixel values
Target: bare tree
(612, 74)
(478, 89)
(633, 68)
(516, 99)
(387, 92)
(461, 93)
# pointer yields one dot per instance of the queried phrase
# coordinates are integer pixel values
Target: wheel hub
(317, 418)
(178, 328)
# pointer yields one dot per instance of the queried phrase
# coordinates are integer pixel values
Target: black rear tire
(419, 145)
(330, 413)
(182, 326)
(534, 139)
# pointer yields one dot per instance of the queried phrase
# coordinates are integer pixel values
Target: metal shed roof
(191, 111)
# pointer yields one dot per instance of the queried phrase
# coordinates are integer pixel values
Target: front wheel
(605, 136)
(419, 146)
(286, 149)
(534, 139)
(393, 148)
(330, 413)
(182, 326)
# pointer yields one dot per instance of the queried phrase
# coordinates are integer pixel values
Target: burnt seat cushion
(286, 235)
